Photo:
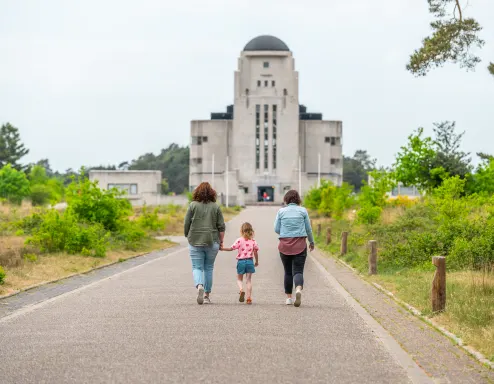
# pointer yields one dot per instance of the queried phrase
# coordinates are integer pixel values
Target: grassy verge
(28, 271)
(26, 266)
(470, 294)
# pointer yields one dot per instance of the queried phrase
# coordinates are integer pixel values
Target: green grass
(470, 294)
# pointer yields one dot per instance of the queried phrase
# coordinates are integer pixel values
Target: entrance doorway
(265, 194)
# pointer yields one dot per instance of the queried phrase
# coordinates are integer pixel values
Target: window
(258, 83)
(258, 136)
(274, 135)
(335, 161)
(266, 64)
(266, 137)
(197, 140)
(273, 83)
(197, 161)
(332, 140)
(204, 139)
(246, 190)
(129, 189)
(266, 83)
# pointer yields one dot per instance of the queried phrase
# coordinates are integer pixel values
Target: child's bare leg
(240, 282)
(248, 283)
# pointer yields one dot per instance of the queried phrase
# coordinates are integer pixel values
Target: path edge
(30, 308)
(43, 283)
(414, 372)
(417, 313)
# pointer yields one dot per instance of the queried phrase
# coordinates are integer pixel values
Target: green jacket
(203, 223)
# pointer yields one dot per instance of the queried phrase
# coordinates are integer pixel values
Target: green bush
(14, 186)
(61, 232)
(88, 203)
(129, 235)
(2, 275)
(40, 194)
(29, 223)
(150, 219)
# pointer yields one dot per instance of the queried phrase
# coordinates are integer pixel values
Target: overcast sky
(92, 82)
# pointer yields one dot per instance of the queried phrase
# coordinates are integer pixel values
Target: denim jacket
(293, 221)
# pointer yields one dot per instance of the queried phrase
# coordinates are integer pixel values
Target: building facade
(141, 187)
(266, 142)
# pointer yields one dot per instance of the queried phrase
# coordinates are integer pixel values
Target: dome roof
(266, 43)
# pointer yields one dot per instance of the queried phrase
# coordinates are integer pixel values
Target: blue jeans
(203, 264)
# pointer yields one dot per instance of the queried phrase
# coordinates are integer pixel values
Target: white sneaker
(298, 298)
(289, 301)
(200, 295)
(207, 300)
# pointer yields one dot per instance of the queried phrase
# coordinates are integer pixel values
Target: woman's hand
(256, 264)
(311, 247)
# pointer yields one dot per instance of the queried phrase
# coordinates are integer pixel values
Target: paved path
(143, 325)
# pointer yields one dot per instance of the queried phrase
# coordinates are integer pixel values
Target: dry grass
(469, 307)
(56, 266)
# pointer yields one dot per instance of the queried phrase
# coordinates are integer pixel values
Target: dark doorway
(265, 194)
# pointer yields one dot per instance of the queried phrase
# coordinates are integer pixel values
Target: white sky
(92, 82)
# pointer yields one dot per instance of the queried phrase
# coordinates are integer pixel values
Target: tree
(11, 147)
(448, 154)
(414, 161)
(425, 162)
(14, 185)
(173, 162)
(453, 39)
(482, 181)
(356, 168)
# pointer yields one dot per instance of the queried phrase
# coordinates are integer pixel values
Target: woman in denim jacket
(292, 224)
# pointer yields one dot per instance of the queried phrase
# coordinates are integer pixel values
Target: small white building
(141, 187)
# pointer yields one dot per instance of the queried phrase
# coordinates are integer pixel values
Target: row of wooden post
(438, 291)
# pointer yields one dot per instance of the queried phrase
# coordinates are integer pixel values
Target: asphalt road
(144, 326)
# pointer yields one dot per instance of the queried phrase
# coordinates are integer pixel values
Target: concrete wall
(313, 142)
(148, 184)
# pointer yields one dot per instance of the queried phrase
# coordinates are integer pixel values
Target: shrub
(31, 257)
(14, 186)
(88, 203)
(369, 214)
(61, 232)
(30, 223)
(2, 275)
(150, 219)
(130, 235)
(40, 194)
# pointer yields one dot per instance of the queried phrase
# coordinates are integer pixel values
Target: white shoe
(289, 301)
(200, 295)
(207, 300)
(298, 298)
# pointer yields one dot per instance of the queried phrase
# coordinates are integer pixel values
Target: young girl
(247, 249)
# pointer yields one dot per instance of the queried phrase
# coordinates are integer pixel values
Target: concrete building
(141, 187)
(266, 142)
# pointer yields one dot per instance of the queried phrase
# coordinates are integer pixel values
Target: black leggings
(294, 270)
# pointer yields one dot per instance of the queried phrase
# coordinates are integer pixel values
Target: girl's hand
(256, 264)
(311, 246)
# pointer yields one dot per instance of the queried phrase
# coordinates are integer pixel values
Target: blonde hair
(247, 231)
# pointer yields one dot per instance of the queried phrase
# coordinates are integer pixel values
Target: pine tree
(11, 147)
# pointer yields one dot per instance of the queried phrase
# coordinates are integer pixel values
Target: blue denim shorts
(245, 266)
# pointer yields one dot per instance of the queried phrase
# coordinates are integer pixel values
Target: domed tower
(266, 116)
(266, 143)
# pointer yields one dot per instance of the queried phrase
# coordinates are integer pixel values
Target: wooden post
(373, 257)
(328, 236)
(319, 229)
(438, 292)
(344, 243)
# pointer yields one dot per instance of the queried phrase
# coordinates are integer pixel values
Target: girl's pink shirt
(245, 248)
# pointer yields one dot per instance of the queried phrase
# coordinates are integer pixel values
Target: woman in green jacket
(204, 228)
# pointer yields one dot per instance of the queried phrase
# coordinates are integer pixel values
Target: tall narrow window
(258, 136)
(266, 83)
(275, 122)
(266, 137)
